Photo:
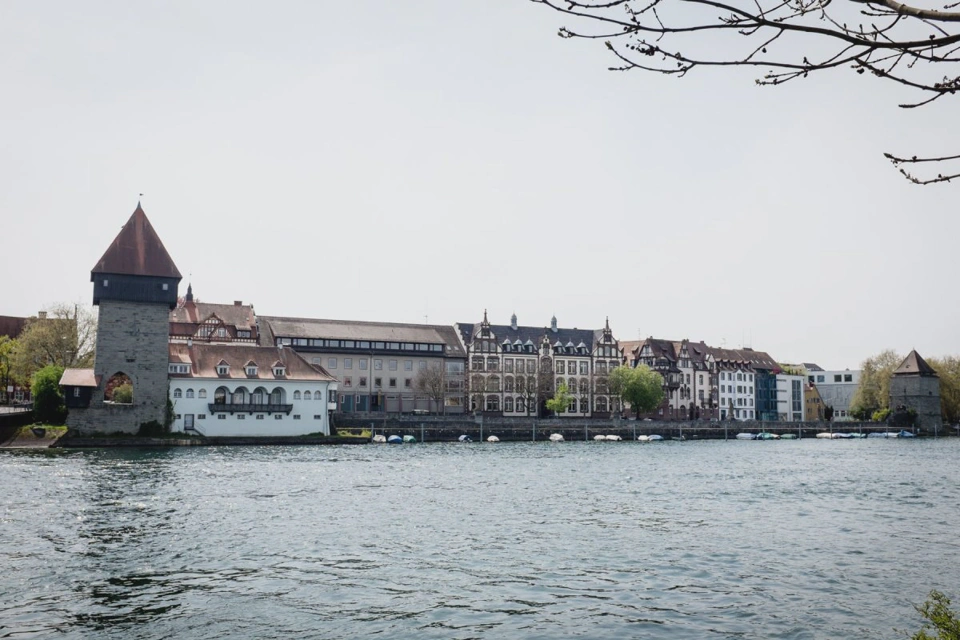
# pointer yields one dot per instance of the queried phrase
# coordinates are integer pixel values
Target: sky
(426, 160)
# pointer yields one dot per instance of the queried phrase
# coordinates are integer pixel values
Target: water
(803, 539)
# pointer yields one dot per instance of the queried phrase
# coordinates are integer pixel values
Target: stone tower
(134, 287)
(915, 385)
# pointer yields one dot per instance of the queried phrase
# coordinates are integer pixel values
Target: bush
(881, 415)
(48, 407)
(123, 394)
(940, 618)
(152, 429)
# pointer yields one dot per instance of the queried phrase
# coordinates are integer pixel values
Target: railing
(250, 408)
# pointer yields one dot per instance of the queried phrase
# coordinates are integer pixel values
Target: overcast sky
(392, 161)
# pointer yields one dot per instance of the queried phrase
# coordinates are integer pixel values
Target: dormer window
(251, 370)
(279, 371)
(223, 368)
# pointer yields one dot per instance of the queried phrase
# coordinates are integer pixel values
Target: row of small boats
(763, 435)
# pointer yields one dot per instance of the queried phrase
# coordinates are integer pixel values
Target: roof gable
(914, 365)
(137, 251)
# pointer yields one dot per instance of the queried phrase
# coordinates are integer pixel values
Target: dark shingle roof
(11, 326)
(501, 332)
(137, 251)
(914, 365)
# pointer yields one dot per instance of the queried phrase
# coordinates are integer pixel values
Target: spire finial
(485, 321)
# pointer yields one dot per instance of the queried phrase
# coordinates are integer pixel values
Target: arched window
(572, 407)
(259, 396)
(317, 396)
(584, 387)
(493, 403)
(521, 405)
(296, 395)
(601, 386)
(521, 384)
(306, 395)
(508, 384)
(122, 382)
(202, 393)
(220, 395)
(240, 396)
(601, 404)
(508, 404)
(177, 393)
(189, 393)
(493, 383)
(276, 396)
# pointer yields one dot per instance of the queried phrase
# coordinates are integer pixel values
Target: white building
(737, 396)
(790, 400)
(836, 388)
(246, 390)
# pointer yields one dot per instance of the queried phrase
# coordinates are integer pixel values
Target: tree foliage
(432, 383)
(940, 619)
(123, 394)
(66, 337)
(785, 40)
(641, 387)
(948, 368)
(873, 392)
(48, 406)
(7, 348)
(560, 400)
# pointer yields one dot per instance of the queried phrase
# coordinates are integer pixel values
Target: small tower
(916, 385)
(135, 287)
(513, 322)
(553, 324)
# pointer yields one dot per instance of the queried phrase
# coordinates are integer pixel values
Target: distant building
(247, 390)
(836, 388)
(203, 322)
(748, 384)
(134, 286)
(689, 377)
(376, 363)
(514, 368)
(790, 397)
(815, 410)
(916, 385)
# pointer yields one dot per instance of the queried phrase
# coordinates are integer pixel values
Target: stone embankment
(447, 428)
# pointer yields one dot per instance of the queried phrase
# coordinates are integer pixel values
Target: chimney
(238, 303)
(42, 315)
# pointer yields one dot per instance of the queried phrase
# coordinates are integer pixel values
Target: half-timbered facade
(689, 377)
(203, 322)
(514, 369)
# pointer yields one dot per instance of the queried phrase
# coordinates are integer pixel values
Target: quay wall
(450, 428)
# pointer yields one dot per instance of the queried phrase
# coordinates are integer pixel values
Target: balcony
(250, 408)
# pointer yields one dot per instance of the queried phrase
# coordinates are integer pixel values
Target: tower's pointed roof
(137, 251)
(914, 365)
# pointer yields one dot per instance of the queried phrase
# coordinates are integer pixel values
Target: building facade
(916, 385)
(247, 390)
(836, 388)
(514, 369)
(790, 397)
(689, 372)
(377, 364)
(134, 287)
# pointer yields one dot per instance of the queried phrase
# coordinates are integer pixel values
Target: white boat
(655, 438)
(599, 437)
(409, 439)
(493, 439)
(465, 438)
(379, 438)
(906, 434)
(825, 435)
(746, 436)
(643, 438)
(613, 438)
(556, 437)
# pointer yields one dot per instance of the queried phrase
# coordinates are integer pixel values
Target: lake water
(801, 539)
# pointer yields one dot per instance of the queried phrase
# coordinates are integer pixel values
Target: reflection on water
(803, 539)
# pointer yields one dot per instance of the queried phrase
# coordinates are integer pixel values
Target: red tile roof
(137, 251)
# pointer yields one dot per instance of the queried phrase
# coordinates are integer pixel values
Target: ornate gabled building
(514, 369)
(134, 287)
(916, 385)
(689, 377)
(204, 322)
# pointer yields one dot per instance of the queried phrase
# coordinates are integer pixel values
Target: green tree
(7, 347)
(948, 368)
(940, 618)
(65, 336)
(123, 394)
(560, 400)
(873, 392)
(641, 387)
(48, 405)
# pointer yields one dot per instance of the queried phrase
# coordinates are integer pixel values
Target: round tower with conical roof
(134, 287)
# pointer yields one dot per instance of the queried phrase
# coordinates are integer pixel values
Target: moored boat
(599, 438)
(409, 439)
(746, 436)
(465, 438)
(379, 438)
(766, 435)
(788, 436)
(493, 439)
(613, 438)
(556, 437)
(394, 440)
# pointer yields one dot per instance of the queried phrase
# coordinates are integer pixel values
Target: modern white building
(737, 395)
(836, 388)
(790, 400)
(248, 390)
